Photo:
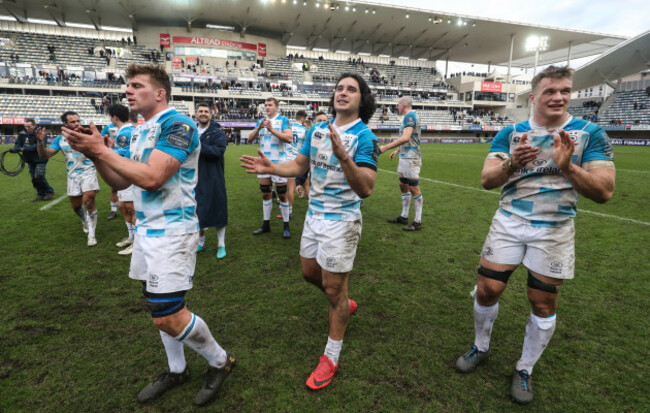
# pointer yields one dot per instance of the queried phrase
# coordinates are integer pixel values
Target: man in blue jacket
(210, 192)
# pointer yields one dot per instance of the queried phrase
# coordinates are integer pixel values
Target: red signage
(491, 87)
(13, 121)
(165, 39)
(203, 41)
(190, 60)
(261, 49)
(176, 63)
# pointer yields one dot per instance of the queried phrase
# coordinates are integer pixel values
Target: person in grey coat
(210, 192)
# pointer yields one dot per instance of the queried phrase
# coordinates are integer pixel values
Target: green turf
(75, 335)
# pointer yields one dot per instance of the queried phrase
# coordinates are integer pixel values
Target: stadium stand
(627, 108)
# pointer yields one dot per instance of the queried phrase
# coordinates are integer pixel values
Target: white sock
(201, 240)
(406, 203)
(290, 209)
(221, 236)
(417, 201)
(131, 228)
(113, 206)
(483, 321)
(333, 350)
(92, 223)
(538, 333)
(175, 353)
(284, 209)
(196, 335)
(266, 208)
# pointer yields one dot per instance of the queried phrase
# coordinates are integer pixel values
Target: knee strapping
(534, 282)
(266, 189)
(163, 305)
(502, 276)
(282, 189)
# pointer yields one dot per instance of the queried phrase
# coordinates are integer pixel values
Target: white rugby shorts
(125, 195)
(86, 182)
(274, 178)
(409, 168)
(332, 243)
(547, 251)
(166, 263)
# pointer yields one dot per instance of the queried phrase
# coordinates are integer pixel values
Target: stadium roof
(627, 58)
(355, 26)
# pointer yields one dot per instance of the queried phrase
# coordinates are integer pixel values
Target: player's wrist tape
(508, 167)
(271, 171)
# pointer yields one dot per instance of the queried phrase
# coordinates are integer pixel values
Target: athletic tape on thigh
(282, 189)
(536, 283)
(502, 276)
(403, 180)
(266, 189)
(163, 305)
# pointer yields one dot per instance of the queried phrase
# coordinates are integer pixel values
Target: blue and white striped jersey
(299, 133)
(330, 195)
(538, 193)
(170, 210)
(123, 140)
(271, 146)
(411, 149)
(76, 162)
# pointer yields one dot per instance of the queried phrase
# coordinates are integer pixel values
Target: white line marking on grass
(633, 170)
(497, 193)
(51, 204)
(460, 154)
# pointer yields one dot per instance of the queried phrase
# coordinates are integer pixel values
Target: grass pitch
(75, 334)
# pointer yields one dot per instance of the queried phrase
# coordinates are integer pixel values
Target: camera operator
(26, 142)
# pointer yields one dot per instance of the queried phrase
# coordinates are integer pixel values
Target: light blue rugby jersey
(299, 133)
(123, 140)
(170, 210)
(411, 149)
(111, 131)
(271, 146)
(330, 195)
(538, 193)
(76, 162)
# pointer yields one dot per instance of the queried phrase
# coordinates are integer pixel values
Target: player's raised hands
(337, 145)
(40, 134)
(563, 148)
(523, 152)
(85, 140)
(257, 165)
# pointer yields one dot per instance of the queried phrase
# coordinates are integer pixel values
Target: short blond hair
(406, 100)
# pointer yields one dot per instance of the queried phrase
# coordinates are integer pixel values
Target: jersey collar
(344, 128)
(565, 122)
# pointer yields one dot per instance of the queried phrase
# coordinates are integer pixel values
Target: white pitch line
(633, 170)
(497, 193)
(51, 204)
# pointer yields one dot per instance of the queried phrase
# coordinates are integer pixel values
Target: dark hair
(202, 105)
(64, 117)
(120, 111)
(30, 120)
(156, 73)
(301, 115)
(274, 100)
(554, 72)
(320, 112)
(368, 104)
